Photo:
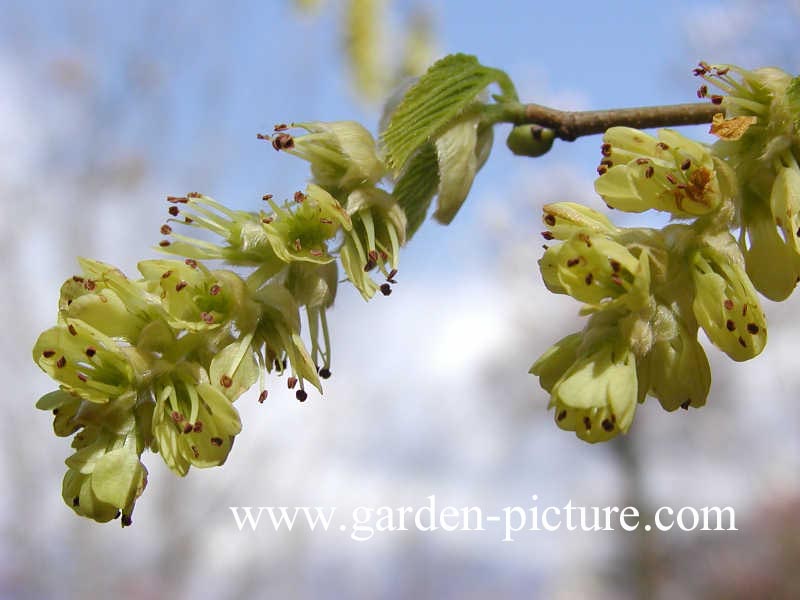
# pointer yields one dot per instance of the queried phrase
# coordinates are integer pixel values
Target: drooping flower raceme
(699, 275)
(157, 362)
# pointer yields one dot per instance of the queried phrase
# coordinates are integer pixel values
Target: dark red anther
(173, 210)
(301, 395)
(386, 289)
(291, 382)
(180, 285)
(283, 141)
(165, 229)
(262, 396)
(225, 381)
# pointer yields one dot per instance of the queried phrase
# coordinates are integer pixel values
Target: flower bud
(678, 372)
(565, 219)
(343, 154)
(530, 140)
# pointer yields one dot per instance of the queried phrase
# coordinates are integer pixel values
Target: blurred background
(108, 107)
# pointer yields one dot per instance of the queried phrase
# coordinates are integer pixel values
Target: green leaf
(449, 86)
(457, 167)
(416, 187)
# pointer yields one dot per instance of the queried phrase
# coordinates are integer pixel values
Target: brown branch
(570, 125)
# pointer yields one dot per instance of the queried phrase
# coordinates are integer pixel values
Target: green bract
(597, 271)
(194, 423)
(302, 234)
(725, 302)
(596, 396)
(671, 173)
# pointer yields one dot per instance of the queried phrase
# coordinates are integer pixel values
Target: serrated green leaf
(439, 96)
(416, 187)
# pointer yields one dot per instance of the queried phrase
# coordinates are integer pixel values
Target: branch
(570, 125)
